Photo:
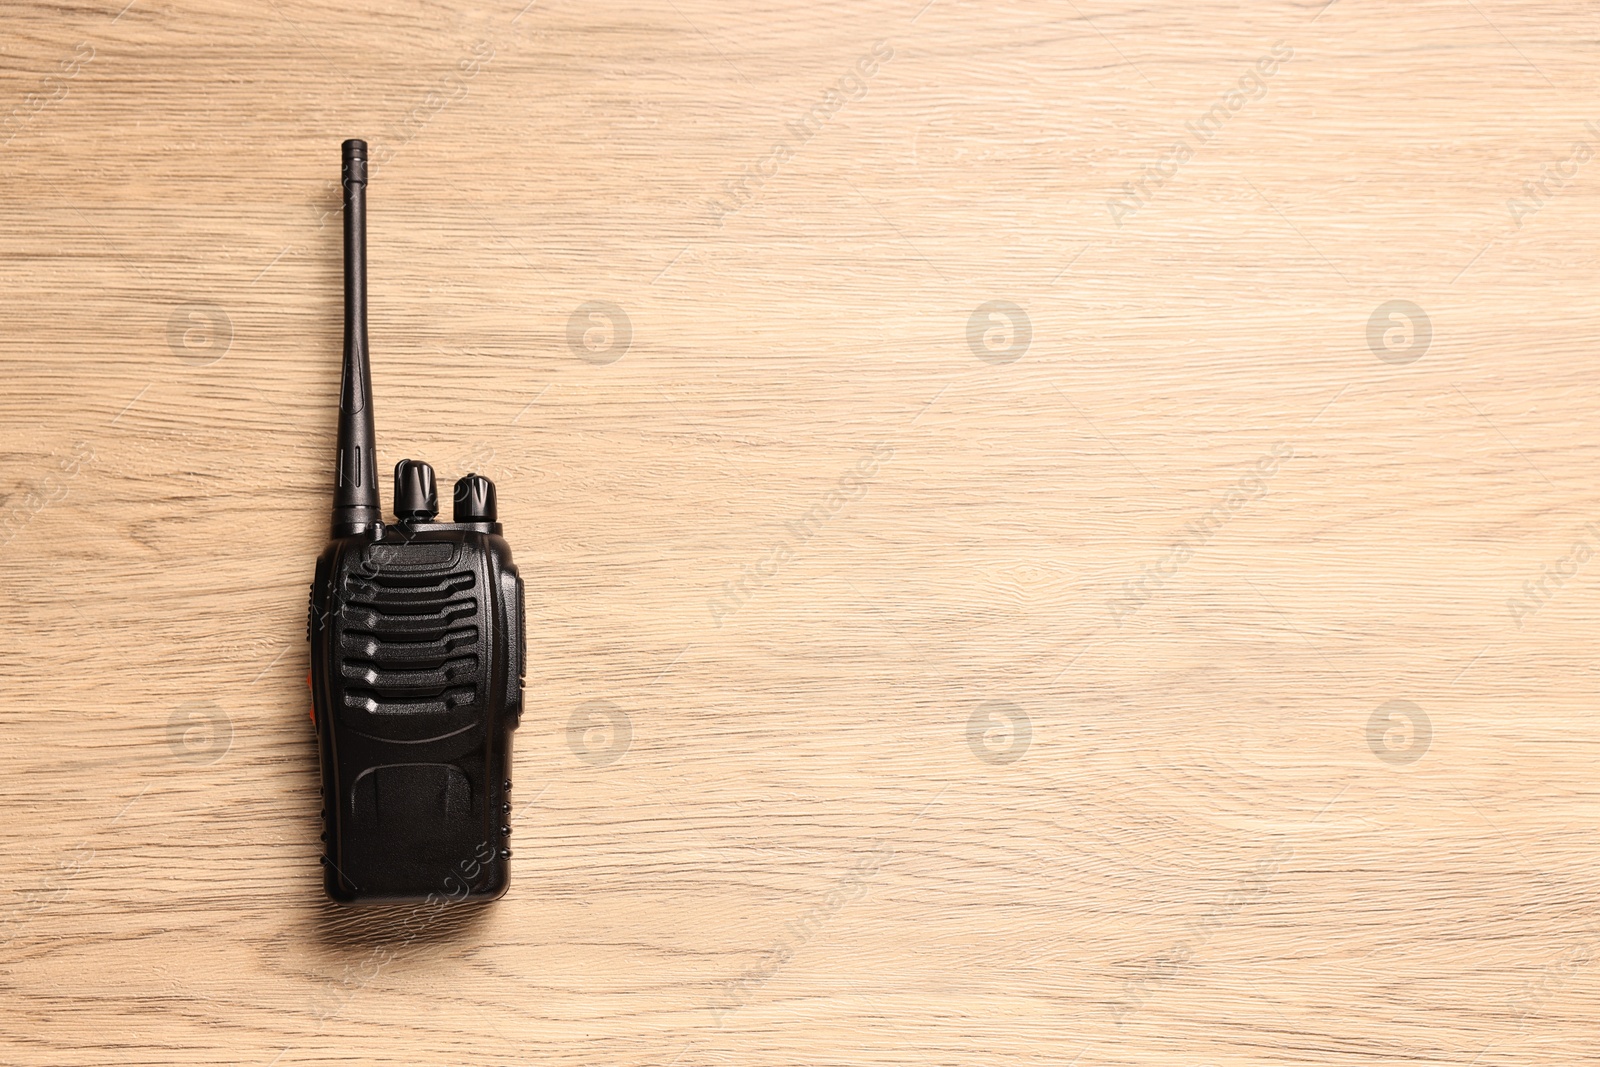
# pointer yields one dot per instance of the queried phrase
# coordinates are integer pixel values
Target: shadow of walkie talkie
(395, 925)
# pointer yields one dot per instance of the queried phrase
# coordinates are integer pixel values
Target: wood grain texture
(915, 679)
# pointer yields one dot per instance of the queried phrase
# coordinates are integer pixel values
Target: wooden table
(1055, 532)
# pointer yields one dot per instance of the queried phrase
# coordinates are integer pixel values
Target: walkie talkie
(417, 655)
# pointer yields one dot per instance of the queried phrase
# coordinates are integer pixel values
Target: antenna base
(357, 525)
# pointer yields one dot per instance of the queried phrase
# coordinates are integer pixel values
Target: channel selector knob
(416, 496)
(475, 500)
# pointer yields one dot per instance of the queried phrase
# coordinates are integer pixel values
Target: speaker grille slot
(409, 647)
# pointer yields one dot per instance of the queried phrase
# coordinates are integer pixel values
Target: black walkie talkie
(417, 655)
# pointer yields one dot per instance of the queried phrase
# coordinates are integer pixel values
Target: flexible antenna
(356, 509)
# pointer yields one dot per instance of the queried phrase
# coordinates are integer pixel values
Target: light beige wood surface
(1194, 665)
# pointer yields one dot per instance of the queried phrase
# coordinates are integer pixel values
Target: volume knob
(416, 496)
(475, 500)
